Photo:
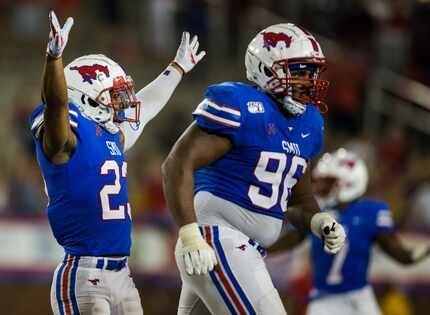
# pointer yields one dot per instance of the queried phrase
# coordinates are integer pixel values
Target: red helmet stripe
(314, 44)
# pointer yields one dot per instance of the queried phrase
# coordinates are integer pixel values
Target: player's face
(301, 83)
(122, 94)
(323, 186)
(117, 102)
(122, 97)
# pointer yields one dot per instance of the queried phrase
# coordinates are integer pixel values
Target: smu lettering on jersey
(270, 150)
(88, 206)
(363, 220)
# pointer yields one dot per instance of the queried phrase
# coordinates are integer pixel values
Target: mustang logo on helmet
(89, 73)
(272, 39)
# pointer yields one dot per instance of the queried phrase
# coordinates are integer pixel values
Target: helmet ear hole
(92, 102)
(267, 72)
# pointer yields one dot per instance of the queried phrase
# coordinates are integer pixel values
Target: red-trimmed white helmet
(348, 170)
(101, 89)
(274, 50)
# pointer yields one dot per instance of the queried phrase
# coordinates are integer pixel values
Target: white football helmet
(277, 51)
(101, 90)
(349, 173)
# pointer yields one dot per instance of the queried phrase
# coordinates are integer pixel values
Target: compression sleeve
(153, 98)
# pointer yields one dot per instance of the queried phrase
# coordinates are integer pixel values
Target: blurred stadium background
(379, 106)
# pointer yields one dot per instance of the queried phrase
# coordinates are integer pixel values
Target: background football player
(230, 176)
(89, 118)
(340, 284)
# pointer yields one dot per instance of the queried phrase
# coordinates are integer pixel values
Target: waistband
(258, 247)
(104, 263)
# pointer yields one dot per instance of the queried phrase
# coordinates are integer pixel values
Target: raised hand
(186, 56)
(57, 36)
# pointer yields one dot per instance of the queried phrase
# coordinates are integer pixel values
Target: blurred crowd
(359, 39)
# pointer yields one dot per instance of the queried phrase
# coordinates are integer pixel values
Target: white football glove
(332, 233)
(186, 56)
(57, 36)
(199, 257)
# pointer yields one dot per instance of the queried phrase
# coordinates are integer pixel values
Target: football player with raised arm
(340, 284)
(233, 174)
(89, 118)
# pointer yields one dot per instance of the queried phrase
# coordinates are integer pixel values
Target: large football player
(340, 284)
(89, 117)
(231, 177)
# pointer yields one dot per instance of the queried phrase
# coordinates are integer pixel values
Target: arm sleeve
(220, 113)
(153, 98)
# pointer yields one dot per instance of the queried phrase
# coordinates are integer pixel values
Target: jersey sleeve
(37, 120)
(220, 112)
(382, 218)
(319, 139)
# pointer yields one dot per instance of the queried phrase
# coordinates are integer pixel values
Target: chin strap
(291, 106)
(111, 127)
(105, 120)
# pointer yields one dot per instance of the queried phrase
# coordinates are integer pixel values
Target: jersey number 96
(296, 167)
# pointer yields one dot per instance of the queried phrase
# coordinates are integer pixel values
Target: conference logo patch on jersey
(90, 73)
(272, 39)
(255, 107)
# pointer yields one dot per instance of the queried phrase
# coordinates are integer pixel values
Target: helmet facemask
(298, 81)
(120, 96)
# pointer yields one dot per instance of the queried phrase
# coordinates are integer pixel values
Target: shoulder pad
(226, 93)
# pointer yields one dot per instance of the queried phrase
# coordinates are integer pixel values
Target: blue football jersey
(88, 207)
(270, 150)
(363, 220)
